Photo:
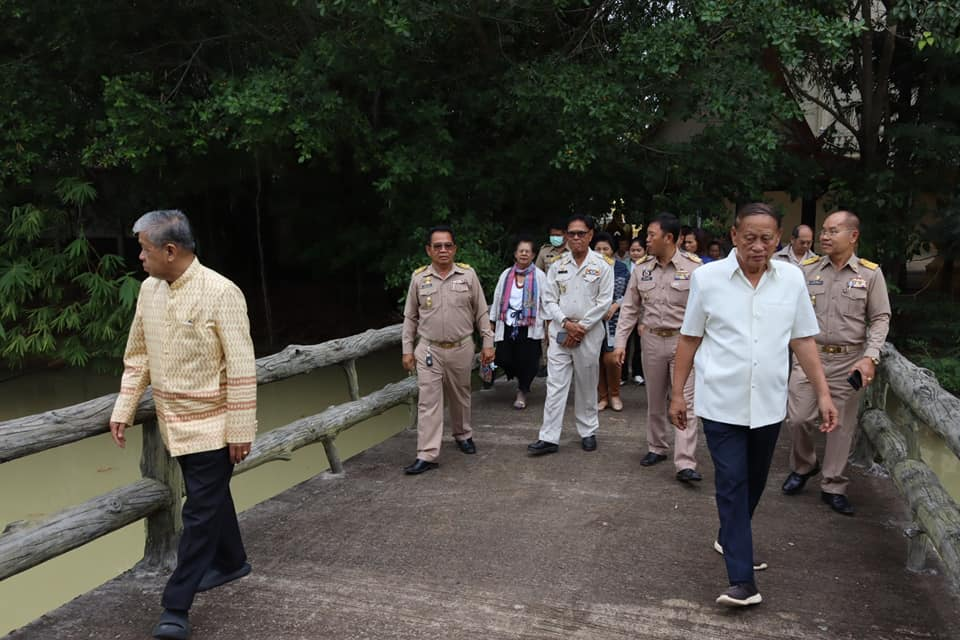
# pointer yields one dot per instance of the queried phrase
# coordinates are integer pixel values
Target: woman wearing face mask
(517, 316)
(608, 389)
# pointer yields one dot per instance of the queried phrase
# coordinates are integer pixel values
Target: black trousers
(211, 534)
(518, 357)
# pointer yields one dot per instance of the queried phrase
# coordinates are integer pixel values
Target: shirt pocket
(460, 293)
(679, 291)
(853, 302)
(427, 299)
(646, 290)
(591, 276)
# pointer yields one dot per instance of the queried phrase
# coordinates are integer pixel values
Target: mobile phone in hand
(855, 380)
(561, 337)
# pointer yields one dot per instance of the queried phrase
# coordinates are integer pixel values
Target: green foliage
(926, 331)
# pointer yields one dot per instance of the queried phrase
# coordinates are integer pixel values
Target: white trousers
(582, 365)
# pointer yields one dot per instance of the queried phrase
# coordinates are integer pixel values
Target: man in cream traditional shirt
(742, 315)
(190, 339)
(578, 293)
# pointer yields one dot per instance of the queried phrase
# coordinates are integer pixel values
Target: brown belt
(445, 345)
(665, 333)
(839, 348)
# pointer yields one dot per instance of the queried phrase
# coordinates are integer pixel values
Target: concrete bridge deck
(571, 545)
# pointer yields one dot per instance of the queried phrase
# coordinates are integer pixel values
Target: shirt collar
(732, 265)
(187, 275)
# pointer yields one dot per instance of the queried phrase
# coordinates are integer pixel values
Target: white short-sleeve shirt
(741, 365)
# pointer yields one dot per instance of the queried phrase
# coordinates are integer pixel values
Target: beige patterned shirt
(191, 341)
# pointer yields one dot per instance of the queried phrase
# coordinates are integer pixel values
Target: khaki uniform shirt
(656, 295)
(548, 254)
(578, 293)
(787, 254)
(445, 308)
(191, 340)
(851, 303)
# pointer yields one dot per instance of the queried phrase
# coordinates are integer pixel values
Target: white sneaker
(740, 595)
(638, 379)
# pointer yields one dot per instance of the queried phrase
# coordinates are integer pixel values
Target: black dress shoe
(589, 443)
(838, 502)
(540, 447)
(419, 467)
(652, 458)
(796, 481)
(689, 475)
(467, 445)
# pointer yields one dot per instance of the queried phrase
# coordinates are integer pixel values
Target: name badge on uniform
(561, 271)
(646, 275)
(857, 283)
(426, 284)
(815, 283)
(681, 274)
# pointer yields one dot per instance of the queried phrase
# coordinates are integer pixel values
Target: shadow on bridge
(572, 545)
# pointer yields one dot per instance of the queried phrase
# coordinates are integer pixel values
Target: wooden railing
(903, 400)
(156, 496)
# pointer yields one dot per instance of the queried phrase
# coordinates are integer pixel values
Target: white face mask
(556, 240)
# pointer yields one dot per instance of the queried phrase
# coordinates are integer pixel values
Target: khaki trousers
(658, 361)
(448, 376)
(803, 419)
(581, 365)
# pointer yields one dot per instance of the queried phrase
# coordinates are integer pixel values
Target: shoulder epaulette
(810, 260)
(463, 265)
(646, 258)
(691, 256)
(869, 265)
(609, 260)
(420, 269)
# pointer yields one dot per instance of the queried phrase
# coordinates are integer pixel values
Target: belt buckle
(832, 348)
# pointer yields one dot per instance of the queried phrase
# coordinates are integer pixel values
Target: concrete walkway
(571, 545)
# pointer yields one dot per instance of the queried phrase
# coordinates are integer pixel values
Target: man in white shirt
(742, 315)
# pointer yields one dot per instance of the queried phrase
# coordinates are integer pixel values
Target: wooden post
(353, 382)
(917, 542)
(163, 526)
(333, 456)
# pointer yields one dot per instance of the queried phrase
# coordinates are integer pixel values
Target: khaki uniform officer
(656, 299)
(549, 254)
(444, 304)
(578, 293)
(849, 296)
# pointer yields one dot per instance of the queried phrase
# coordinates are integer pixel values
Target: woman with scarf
(517, 315)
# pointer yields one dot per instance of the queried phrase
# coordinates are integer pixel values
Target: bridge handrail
(25, 545)
(892, 437)
(32, 434)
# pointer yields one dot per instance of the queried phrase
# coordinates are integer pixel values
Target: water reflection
(38, 485)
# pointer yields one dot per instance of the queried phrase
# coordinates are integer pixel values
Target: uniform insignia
(869, 265)
(691, 256)
(591, 271)
(646, 275)
(681, 274)
(429, 302)
(857, 283)
(420, 269)
(562, 287)
(816, 282)
(646, 258)
(463, 265)
(810, 260)
(609, 260)
(813, 300)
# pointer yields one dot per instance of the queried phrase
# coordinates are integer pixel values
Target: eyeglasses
(437, 246)
(832, 231)
(577, 233)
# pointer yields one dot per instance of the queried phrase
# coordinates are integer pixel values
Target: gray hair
(167, 225)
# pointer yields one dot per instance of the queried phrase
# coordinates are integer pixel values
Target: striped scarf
(526, 316)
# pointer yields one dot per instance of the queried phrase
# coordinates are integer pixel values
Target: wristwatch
(876, 361)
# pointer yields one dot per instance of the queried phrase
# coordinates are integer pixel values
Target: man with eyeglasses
(578, 293)
(849, 296)
(444, 303)
(799, 247)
